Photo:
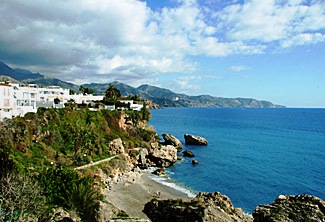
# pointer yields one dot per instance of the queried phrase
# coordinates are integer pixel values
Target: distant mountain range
(24, 76)
(160, 96)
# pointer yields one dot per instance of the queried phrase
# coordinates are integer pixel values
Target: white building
(80, 98)
(7, 101)
(133, 106)
(16, 100)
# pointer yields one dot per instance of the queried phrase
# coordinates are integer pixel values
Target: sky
(264, 49)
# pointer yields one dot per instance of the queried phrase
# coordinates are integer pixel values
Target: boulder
(116, 147)
(60, 215)
(107, 211)
(164, 156)
(195, 162)
(302, 207)
(195, 140)
(188, 153)
(160, 171)
(172, 140)
(204, 207)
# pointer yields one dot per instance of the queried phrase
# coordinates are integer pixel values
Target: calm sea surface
(253, 155)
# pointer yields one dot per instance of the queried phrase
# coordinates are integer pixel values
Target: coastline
(133, 192)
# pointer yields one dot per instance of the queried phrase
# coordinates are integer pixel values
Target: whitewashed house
(133, 106)
(7, 101)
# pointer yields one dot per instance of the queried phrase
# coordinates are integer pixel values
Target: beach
(132, 193)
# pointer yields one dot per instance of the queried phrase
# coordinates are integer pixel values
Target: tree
(71, 105)
(82, 89)
(89, 91)
(57, 101)
(86, 90)
(7, 165)
(135, 97)
(111, 94)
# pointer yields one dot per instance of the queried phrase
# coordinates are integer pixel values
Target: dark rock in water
(204, 207)
(194, 140)
(179, 158)
(170, 139)
(188, 153)
(291, 208)
(160, 171)
(195, 162)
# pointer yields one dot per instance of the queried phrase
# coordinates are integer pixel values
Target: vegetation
(39, 151)
(111, 95)
(86, 90)
(65, 188)
(20, 197)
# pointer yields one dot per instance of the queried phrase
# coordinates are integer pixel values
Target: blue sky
(269, 50)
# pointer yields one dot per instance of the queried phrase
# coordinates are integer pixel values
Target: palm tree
(82, 198)
(111, 94)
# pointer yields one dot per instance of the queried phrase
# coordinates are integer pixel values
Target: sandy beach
(131, 195)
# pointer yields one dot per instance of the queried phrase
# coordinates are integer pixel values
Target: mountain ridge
(161, 96)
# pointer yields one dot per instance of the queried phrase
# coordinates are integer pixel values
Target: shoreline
(132, 193)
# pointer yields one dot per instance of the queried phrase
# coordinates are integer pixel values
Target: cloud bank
(100, 41)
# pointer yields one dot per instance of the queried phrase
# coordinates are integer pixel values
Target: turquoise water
(253, 155)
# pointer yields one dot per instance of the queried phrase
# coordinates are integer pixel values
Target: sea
(253, 154)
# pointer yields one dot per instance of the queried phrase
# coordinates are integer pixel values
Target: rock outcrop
(188, 153)
(291, 208)
(172, 140)
(195, 162)
(116, 146)
(163, 156)
(205, 207)
(194, 140)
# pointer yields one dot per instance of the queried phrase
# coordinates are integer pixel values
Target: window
(6, 102)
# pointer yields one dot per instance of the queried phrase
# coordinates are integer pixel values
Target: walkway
(94, 163)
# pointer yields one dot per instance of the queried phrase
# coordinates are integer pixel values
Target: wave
(172, 184)
(168, 182)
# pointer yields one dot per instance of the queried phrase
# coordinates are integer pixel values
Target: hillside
(167, 98)
(40, 152)
(162, 97)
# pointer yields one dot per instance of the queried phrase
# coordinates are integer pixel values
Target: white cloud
(104, 40)
(185, 83)
(271, 20)
(190, 83)
(303, 39)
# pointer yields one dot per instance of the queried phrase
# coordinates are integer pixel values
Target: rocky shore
(143, 199)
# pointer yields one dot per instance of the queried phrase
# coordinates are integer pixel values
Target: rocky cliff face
(205, 207)
(116, 146)
(291, 208)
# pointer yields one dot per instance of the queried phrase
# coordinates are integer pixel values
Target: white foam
(166, 182)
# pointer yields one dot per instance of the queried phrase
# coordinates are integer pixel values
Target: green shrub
(65, 188)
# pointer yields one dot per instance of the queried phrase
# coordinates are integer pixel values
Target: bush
(65, 188)
(83, 199)
(20, 197)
